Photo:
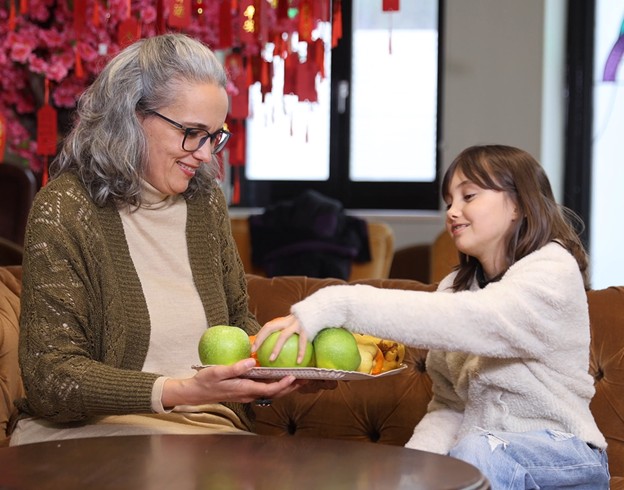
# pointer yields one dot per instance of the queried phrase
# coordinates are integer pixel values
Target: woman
(129, 257)
(508, 331)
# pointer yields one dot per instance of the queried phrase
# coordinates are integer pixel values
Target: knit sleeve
(78, 356)
(521, 315)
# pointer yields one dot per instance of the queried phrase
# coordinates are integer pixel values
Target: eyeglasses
(194, 138)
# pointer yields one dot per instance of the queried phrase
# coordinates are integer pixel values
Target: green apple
(287, 356)
(224, 344)
(336, 348)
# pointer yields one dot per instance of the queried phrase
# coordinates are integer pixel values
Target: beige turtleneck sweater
(156, 237)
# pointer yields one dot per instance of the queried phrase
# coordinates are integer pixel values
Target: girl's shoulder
(552, 251)
(552, 264)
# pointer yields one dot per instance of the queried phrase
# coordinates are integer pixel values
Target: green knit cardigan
(85, 325)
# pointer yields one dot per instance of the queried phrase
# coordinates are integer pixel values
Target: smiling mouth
(187, 169)
(457, 228)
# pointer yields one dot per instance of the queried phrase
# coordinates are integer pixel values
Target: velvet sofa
(378, 410)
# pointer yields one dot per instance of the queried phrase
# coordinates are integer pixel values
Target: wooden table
(229, 462)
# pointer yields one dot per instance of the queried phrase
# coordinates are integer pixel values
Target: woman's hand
(288, 325)
(223, 384)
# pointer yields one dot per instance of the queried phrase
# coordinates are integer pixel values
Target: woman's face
(480, 222)
(170, 168)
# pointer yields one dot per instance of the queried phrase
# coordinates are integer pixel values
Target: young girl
(508, 331)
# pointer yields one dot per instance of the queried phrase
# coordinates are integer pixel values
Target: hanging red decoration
(80, 17)
(321, 10)
(282, 9)
(336, 22)
(129, 31)
(260, 70)
(47, 131)
(95, 16)
(236, 145)
(180, 14)
(306, 78)
(3, 136)
(291, 64)
(306, 22)
(316, 54)
(12, 15)
(239, 103)
(248, 19)
(281, 46)
(78, 68)
(225, 25)
(236, 153)
(262, 22)
(46, 126)
(390, 5)
(266, 77)
(161, 26)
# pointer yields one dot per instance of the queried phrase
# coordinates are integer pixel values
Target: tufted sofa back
(387, 410)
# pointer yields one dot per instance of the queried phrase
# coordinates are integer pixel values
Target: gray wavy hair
(107, 147)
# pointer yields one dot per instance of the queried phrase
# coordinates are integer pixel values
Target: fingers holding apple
(286, 327)
(288, 355)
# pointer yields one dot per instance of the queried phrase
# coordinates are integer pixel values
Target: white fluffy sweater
(513, 356)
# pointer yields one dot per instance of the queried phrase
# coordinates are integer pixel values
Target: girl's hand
(288, 325)
(223, 384)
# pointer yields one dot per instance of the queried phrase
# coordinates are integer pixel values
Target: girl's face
(170, 168)
(480, 221)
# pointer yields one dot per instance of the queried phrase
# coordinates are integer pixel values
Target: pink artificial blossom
(148, 14)
(37, 65)
(51, 38)
(57, 71)
(67, 93)
(39, 11)
(20, 52)
(86, 51)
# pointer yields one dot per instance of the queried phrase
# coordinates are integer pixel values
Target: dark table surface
(229, 462)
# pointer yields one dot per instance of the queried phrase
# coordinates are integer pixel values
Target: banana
(390, 352)
(368, 352)
(366, 364)
(366, 342)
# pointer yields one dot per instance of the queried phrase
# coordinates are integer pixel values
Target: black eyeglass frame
(212, 136)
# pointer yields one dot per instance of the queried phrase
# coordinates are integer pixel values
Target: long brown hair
(511, 170)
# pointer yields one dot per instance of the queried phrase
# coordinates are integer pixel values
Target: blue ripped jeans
(544, 459)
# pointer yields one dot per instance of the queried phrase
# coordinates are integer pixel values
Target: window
(371, 138)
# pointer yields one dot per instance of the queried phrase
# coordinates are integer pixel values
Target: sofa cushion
(10, 377)
(607, 367)
(384, 411)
